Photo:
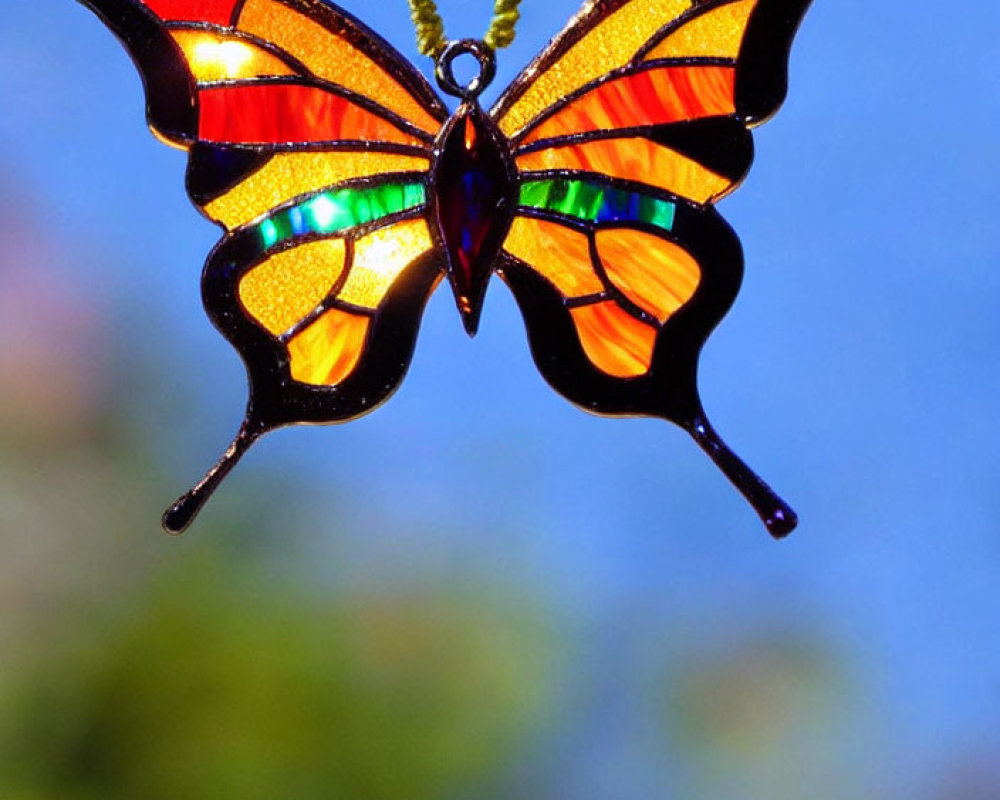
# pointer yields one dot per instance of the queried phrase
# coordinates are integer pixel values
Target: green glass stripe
(268, 233)
(569, 196)
(594, 202)
(413, 195)
(591, 200)
(534, 194)
(339, 210)
(657, 212)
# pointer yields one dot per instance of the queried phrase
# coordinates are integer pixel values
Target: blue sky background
(857, 373)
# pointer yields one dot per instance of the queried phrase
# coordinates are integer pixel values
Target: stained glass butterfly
(347, 193)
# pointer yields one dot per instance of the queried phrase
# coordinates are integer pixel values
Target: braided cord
(430, 28)
(505, 17)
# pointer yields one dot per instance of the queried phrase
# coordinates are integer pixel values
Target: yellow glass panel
(633, 159)
(559, 253)
(326, 352)
(289, 285)
(215, 57)
(718, 33)
(609, 45)
(615, 341)
(379, 257)
(289, 175)
(657, 275)
(332, 58)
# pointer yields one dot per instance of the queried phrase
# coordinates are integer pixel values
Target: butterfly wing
(309, 142)
(626, 130)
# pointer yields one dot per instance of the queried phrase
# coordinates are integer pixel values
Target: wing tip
(171, 105)
(762, 74)
(777, 516)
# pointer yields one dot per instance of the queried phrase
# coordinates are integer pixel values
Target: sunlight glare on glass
(386, 249)
(324, 211)
(227, 58)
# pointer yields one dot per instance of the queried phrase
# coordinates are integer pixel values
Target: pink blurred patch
(52, 341)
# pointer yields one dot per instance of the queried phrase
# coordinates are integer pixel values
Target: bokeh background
(479, 591)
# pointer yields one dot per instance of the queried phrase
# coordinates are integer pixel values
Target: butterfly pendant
(347, 193)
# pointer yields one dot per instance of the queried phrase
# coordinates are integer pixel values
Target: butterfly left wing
(625, 130)
(309, 141)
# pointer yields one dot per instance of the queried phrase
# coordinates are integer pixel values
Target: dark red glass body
(473, 202)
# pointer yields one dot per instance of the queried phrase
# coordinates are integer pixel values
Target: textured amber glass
(610, 44)
(380, 256)
(328, 350)
(559, 253)
(289, 285)
(615, 341)
(657, 275)
(717, 32)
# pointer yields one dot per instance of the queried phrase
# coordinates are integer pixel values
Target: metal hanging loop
(446, 77)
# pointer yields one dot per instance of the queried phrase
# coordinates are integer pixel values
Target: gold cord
(430, 29)
(505, 16)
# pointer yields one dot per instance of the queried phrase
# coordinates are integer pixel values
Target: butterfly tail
(181, 514)
(778, 517)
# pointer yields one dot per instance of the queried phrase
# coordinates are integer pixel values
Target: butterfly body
(474, 190)
(347, 193)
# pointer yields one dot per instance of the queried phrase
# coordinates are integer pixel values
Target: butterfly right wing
(309, 142)
(625, 131)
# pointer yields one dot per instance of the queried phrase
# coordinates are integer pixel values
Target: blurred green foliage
(213, 684)
(138, 667)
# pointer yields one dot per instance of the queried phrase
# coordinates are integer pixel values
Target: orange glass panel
(718, 32)
(328, 350)
(214, 57)
(380, 256)
(285, 288)
(559, 253)
(615, 341)
(289, 175)
(609, 45)
(657, 275)
(633, 159)
(332, 58)
(653, 97)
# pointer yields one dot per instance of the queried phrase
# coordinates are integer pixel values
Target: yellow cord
(430, 29)
(505, 16)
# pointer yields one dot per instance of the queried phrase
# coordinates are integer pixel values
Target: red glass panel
(215, 11)
(276, 113)
(651, 97)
